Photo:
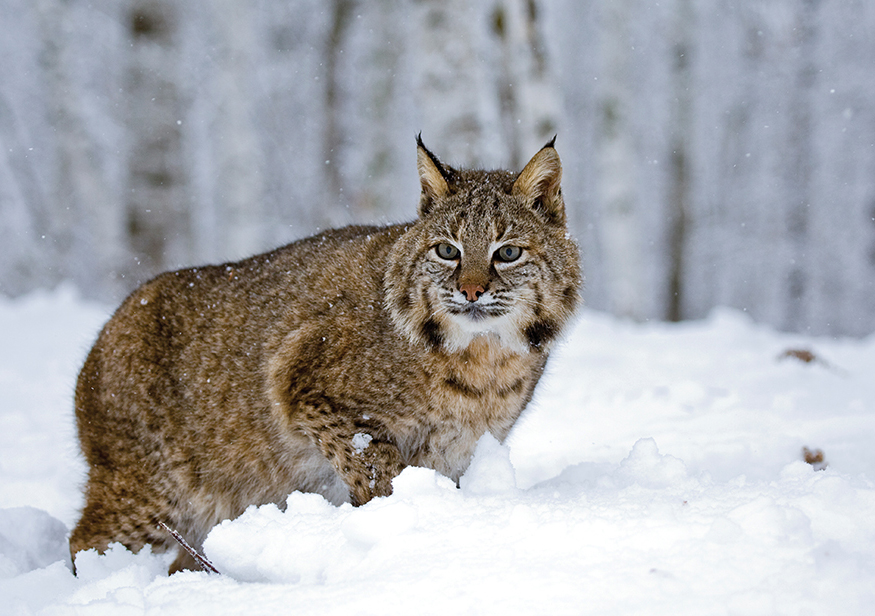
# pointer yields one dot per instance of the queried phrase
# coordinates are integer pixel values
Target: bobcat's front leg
(369, 472)
(356, 448)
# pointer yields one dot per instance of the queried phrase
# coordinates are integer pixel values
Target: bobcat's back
(327, 365)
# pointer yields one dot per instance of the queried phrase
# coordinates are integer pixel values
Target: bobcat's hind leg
(184, 562)
(113, 515)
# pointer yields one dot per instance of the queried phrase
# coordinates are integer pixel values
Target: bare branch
(202, 561)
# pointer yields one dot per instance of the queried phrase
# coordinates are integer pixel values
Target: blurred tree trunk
(529, 99)
(679, 193)
(157, 216)
(459, 116)
(239, 192)
(620, 234)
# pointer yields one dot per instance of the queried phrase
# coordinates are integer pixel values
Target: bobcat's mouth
(476, 311)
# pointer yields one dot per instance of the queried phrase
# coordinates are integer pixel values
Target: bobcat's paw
(377, 463)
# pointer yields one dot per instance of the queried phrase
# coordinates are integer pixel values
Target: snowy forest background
(716, 152)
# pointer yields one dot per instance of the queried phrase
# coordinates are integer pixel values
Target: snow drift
(659, 471)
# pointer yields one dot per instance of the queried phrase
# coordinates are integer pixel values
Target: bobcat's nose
(472, 291)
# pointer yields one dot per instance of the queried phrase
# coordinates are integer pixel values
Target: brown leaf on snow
(814, 458)
(803, 355)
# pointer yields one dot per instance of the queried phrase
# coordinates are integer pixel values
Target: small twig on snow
(201, 560)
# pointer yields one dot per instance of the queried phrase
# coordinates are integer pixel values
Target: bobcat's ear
(538, 183)
(432, 175)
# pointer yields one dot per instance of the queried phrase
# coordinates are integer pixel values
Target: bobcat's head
(489, 255)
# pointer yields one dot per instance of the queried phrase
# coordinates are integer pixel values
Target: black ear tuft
(434, 177)
(538, 184)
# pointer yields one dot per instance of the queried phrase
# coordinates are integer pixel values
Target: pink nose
(472, 291)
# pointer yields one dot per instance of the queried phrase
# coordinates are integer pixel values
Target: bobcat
(327, 365)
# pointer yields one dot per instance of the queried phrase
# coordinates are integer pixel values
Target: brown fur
(327, 365)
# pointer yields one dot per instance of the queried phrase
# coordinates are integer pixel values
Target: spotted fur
(327, 365)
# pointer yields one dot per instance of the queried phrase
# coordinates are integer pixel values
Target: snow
(658, 471)
(360, 441)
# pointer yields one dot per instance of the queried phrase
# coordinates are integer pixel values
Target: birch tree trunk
(680, 209)
(620, 234)
(459, 117)
(156, 214)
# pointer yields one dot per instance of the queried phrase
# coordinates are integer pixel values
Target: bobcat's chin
(461, 329)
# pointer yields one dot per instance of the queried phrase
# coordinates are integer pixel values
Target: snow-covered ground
(659, 471)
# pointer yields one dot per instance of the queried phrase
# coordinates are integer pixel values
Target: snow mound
(659, 471)
(30, 539)
(490, 471)
(646, 467)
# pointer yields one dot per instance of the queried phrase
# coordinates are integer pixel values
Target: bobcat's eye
(447, 251)
(508, 253)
